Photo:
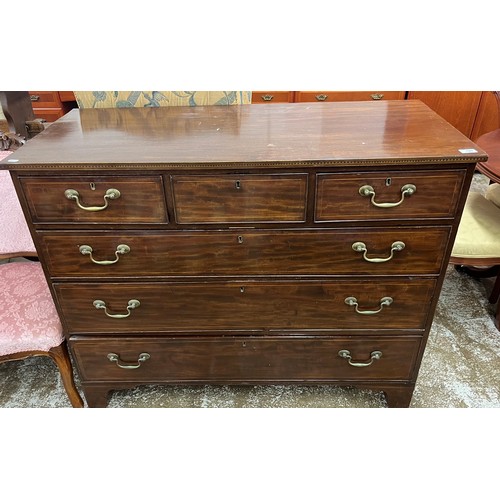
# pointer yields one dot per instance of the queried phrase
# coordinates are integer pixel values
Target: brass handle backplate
(359, 246)
(406, 190)
(267, 97)
(322, 97)
(132, 304)
(73, 194)
(377, 97)
(120, 250)
(115, 358)
(344, 353)
(353, 302)
(34, 98)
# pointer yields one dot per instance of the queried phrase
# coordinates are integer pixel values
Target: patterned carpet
(460, 368)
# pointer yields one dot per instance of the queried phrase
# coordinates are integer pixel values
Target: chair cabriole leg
(60, 356)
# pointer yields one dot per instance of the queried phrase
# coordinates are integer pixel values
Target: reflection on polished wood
(458, 108)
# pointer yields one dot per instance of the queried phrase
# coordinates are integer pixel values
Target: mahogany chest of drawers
(246, 244)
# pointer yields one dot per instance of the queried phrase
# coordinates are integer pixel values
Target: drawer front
(331, 96)
(245, 359)
(245, 305)
(402, 195)
(400, 251)
(205, 199)
(66, 96)
(44, 99)
(119, 200)
(270, 97)
(49, 114)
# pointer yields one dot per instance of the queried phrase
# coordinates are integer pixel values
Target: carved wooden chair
(477, 246)
(29, 323)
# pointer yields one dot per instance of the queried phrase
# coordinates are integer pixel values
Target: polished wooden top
(337, 133)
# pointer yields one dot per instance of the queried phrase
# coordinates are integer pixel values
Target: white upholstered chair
(477, 246)
(29, 323)
(476, 250)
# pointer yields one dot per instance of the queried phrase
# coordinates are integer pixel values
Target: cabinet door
(488, 117)
(457, 108)
(67, 96)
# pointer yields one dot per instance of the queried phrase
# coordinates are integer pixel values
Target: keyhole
(92, 186)
(242, 289)
(237, 184)
(388, 181)
(240, 239)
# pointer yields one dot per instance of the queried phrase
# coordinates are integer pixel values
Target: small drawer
(117, 200)
(336, 96)
(271, 97)
(245, 359)
(224, 199)
(391, 195)
(245, 305)
(320, 252)
(44, 99)
(66, 96)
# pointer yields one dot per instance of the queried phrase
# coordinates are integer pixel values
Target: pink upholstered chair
(29, 323)
(15, 239)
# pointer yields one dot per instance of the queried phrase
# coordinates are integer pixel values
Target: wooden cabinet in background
(271, 97)
(51, 105)
(67, 96)
(329, 96)
(487, 118)
(457, 108)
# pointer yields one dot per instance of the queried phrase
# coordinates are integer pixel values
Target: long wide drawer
(402, 251)
(213, 199)
(245, 359)
(104, 199)
(245, 305)
(392, 195)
